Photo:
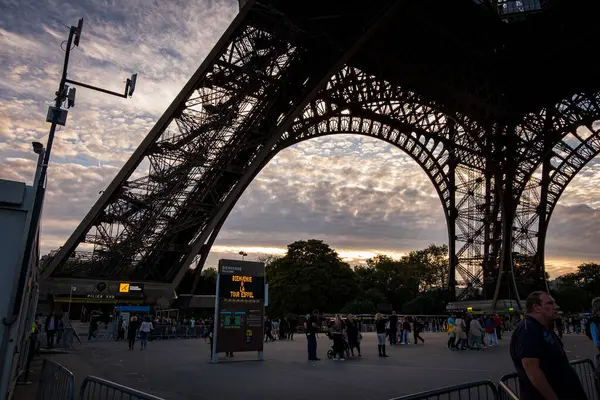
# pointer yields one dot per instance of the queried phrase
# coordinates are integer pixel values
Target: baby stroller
(331, 353)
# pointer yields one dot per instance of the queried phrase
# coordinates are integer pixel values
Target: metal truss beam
(209, 145)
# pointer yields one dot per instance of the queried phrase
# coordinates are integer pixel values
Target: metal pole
(70, 298)
(39, 194)
(214, 355)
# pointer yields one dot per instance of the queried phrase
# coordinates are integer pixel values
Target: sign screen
(239, 315)
(241, 287)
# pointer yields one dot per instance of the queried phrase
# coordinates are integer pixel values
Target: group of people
(466, 331)
(346, 333)
(280, 329)
(346, 336)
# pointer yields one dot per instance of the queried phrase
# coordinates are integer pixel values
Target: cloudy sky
(360, 195)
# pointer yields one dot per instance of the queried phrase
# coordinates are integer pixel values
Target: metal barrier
(94, 388)
(56, 382)
(480, 390)
(505, 393)
(511, 381)
(586, 371)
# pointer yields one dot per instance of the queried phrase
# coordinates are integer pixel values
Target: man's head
(541, 306)
(393, 312)
(596, 306)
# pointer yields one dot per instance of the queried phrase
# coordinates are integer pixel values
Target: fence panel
(505, 392)
(511, 381)
(586, 371)
(480, 390)
(56, 382)
(94, 388)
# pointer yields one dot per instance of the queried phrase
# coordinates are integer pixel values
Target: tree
(359, 306)
(432, 266)
(310, 276)
(577, 289)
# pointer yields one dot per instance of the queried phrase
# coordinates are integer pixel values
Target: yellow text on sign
(124, 288)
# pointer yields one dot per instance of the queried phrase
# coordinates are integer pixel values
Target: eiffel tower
(498, 101)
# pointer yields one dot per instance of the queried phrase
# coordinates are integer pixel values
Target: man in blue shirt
(594, 324)
(538, 355)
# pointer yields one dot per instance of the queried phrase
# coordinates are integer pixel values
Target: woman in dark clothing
(337, 335)
(380, 324)
(417, 328)
(353, 334)
(132, 331)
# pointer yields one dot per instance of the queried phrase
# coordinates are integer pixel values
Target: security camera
(131, 84)
(78, 32)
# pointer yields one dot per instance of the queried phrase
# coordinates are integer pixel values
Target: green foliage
(311, 275)
(576, 290)
(359, 306)
(428, 303)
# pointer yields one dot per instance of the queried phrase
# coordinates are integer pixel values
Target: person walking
(393, 328)
(132, 331)
(145, 330)
(380, 324)
(475, 331)
(539, 357)
(417, 328)
(93, 329)
(310, 327)
(592, 330)
(51, 325)
(353, 334)
(337, 334)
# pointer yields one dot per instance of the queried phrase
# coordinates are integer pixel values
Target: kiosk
(239, 308)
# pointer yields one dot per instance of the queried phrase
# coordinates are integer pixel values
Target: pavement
(180, 369)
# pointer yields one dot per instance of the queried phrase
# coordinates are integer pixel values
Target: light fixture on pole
(56, 116)
(243, 254)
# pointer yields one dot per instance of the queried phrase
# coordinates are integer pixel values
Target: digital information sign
(239, 308)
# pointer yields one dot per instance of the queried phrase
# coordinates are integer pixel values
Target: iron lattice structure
(478, 93)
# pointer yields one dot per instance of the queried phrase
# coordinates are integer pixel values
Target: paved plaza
(180, 369)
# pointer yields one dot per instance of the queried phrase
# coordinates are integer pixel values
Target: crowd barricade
(480, 390)
(509, 388)
(510, 382)
(94, 388)
(162, 332)
(505, 392)
(586, 371)
(63, 339)
(56, 382)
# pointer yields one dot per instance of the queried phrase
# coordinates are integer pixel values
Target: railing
(63, 339)
(505, 393)
(94, 388)
(480, 390)
(56, 382)
(586, 371)
(509, 388)
(511, 382)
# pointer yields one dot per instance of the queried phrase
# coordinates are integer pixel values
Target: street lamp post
(56, 116)
(73, 288)
(243, 254)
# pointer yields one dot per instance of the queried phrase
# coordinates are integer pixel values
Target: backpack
(588, 330)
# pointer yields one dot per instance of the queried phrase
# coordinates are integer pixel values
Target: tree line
(311, 275)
